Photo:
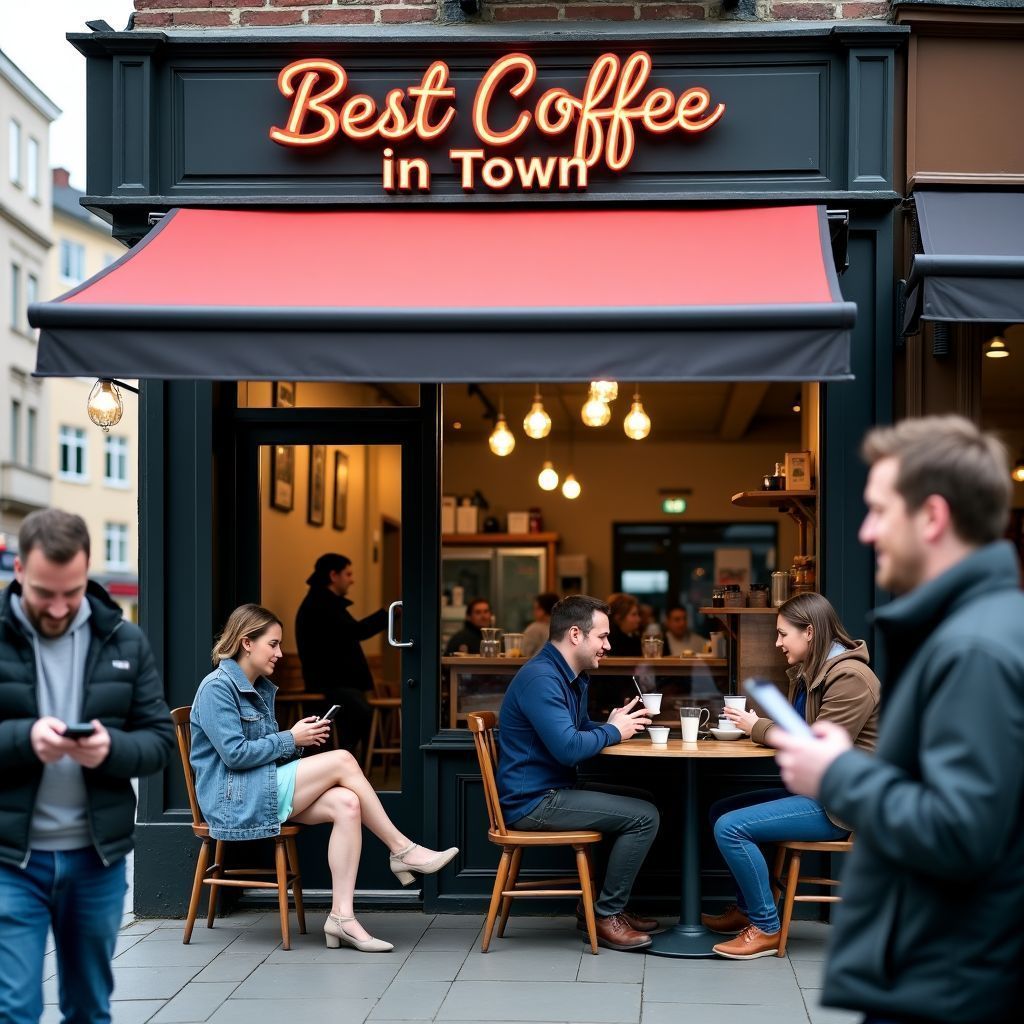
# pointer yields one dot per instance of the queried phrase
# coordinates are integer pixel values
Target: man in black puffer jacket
(69, 664)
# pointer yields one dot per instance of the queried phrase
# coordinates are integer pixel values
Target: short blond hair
(247, 621)
(952, 457)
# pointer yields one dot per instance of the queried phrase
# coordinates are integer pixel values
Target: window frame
(116, 533)
(14, 152)
(32, 165)
(67, 247)
(110, 442)
(79, 442)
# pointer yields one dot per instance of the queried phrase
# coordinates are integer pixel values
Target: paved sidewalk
(539, 973)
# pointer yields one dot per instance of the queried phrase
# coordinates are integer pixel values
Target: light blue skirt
(286, 789)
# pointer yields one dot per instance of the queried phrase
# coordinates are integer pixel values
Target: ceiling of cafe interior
(679, 412)
(1002, 384)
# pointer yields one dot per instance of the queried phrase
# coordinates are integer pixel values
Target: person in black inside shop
(328, 637)
(467, 640)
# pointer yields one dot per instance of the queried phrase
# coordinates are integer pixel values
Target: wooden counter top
(609, 665)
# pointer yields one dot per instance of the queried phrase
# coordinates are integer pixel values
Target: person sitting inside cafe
(535, 636)
(467, 640)
(679, 638)
(545, 732)
(624, 635)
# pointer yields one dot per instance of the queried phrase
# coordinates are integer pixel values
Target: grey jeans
(621, 813)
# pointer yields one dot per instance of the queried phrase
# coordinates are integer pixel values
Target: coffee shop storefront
(397, 210)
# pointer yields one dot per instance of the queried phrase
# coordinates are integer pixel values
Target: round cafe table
(689, 939)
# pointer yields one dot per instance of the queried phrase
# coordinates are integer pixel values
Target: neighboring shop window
(324, 394)
(72, 261)
(14, 151)
(116, 545)
(115, 461)
(32, 167)
(73, 453)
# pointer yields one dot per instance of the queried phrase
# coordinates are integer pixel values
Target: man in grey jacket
(81, 713)
(930, 927)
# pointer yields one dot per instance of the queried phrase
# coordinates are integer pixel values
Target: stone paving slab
(411, 1000)
(542, 1001)
(195, 1002)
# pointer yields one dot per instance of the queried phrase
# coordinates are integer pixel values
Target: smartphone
(331, 713)
(768, 696)
(79, 730)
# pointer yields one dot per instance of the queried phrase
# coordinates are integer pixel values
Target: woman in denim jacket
(250, 777)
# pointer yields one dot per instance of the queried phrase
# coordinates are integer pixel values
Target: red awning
(426, 294)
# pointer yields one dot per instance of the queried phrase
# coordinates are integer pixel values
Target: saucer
(728, 734)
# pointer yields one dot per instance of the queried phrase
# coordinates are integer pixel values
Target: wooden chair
(385, 726)
(506, 884)
(286, 856)
(786, 879)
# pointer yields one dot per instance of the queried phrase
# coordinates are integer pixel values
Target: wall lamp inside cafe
(105, 407)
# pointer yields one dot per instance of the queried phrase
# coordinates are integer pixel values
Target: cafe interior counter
(478, 684)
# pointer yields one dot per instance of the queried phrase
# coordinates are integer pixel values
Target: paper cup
(652, 701)
(658, 734)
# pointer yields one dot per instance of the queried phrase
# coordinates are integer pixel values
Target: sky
(32, 35)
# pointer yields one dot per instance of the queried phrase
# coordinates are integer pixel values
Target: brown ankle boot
(729, 922)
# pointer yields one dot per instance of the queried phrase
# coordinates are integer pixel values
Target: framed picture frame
(317, 485)
(282, 477)
(799, 471)
(340, 520)
(284, 394)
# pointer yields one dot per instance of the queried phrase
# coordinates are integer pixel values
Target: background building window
(72, 261)
(115, 461)
(116, 545)
(15, 431)
(73, 449)
(32, 167)
(31, 436)
(31, 295)
(15, 296)
(14, 151)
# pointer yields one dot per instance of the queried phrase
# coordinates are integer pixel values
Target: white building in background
(94, 473)
(25, 240)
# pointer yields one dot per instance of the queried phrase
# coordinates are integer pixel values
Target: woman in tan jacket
(829, 680)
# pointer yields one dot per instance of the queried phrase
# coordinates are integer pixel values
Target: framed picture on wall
(340, 490)
(282, 477)
(284, 393)
(317, 484)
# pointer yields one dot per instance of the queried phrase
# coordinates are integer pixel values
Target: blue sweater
(545, 732)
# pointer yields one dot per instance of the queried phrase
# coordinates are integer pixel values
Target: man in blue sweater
(546, 732)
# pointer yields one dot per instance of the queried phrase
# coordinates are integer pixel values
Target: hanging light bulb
(502, 440)
(604, 390)
(537, 423)
(547, 479)
(997, 348)
(571, 487)
(796, 403)
(104, 406)
(637, 423)
(1018, 470)
(595, 413)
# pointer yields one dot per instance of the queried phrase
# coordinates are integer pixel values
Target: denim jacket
(236, 747)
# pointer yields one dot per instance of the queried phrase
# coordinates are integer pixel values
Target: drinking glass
(690, 721)
(651, 646)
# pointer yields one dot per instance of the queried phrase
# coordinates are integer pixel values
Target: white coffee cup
(736, 703)
(652, 701)
(727, 725)
(690, 721)
(658, 734)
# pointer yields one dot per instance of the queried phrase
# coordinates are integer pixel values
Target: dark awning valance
(461, 295)
(971, 267)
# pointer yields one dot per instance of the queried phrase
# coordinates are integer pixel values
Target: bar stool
(385, 727)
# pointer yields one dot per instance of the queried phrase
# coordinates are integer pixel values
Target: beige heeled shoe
(403, 871)
(335, 934)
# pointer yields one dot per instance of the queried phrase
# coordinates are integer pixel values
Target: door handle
(391, 626)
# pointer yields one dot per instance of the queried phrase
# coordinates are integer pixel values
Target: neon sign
(602, 122)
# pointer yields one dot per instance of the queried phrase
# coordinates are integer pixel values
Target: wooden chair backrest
(183, 733)
(481, 725)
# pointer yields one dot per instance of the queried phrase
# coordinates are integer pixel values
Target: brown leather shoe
(730, 922)
(750, 944)
(614, 933)
(634, 920)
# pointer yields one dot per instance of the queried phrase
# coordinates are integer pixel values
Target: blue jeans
(743, 822)
(83, 901)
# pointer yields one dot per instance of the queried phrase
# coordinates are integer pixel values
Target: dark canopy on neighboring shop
(462, 295)
(971, 264)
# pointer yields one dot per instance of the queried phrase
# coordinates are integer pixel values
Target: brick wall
(253, 13)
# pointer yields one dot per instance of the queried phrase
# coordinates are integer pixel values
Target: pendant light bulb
(502, 440)
(595, 413)
(1018, 471)
(104, 405)
(547, 479)
(571, 487)
(604, 390)
(537, 423)
(997, 348)
(637, 423)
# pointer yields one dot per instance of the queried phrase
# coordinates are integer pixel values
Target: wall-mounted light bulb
(547, 479)
(604, 390)
(502, 440)
(595, 413)
(104, 405)
(537, 423)
(571, 487)
(637, 423)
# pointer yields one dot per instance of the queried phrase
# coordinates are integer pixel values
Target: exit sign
(673, 506)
